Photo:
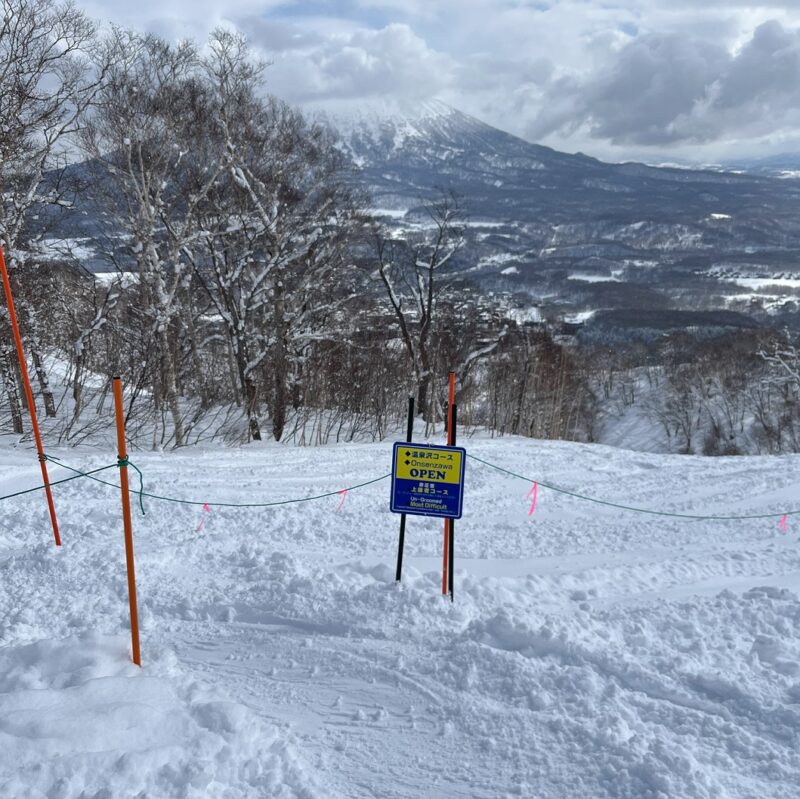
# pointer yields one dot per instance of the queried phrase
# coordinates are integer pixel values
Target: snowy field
(589, 652)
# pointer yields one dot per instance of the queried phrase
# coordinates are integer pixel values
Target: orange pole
(23, 368)
(445, 553)
(126, 518)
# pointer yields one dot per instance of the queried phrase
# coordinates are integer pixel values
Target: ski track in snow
(589, 653)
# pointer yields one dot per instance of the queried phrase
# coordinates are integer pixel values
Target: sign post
(428, 480)
(26, 382)
(402, 542)
(447, 583)
(451, 541)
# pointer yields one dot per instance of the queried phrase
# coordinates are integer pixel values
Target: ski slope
(589, 652)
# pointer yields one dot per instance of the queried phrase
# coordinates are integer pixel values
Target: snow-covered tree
(275, 229)
(148, 140)
(47, 80)
(415, 275)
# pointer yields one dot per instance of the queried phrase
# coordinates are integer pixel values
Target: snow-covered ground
(589, 652)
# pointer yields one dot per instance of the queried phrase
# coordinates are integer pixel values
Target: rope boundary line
(558, 489)
(142, 493)
(619, 506)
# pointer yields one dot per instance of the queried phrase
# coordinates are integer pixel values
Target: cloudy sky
(702, 80)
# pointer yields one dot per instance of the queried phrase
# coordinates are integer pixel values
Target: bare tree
(146, 138)
(783, 358)
(47, 80)
(275, 228)
(415, 276)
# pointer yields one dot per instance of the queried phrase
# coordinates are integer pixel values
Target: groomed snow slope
(589, 652)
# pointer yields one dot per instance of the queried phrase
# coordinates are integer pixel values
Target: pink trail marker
(533, 496)
(784, 524)
(343, 494)
(206, 509)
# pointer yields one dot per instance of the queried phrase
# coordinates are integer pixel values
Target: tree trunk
(170, 387)
(423, 392)
(248, 386)
(280, 368)
(44, 385)
(202, 386)
(279, 407)
(9, 378)
(516, 416)
(251, 395)
(77, 386)
(424, 383)
(233, 369)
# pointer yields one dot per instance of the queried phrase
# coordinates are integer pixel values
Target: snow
(79, 720)
(375, 118)
(591, 277)
(485, 223)
(81, 249)
(580, 317)
(757, 283)
(124, 279)
(529, 314)
(589, 652)
(496, 259)
(392, 213)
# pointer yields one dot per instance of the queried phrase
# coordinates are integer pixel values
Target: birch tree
(415, 276)
(275, 229)
(147, 139)
(47, 80)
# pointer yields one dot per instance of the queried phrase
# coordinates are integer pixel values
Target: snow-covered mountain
(782, 165)
(572, 228)
(566, 233)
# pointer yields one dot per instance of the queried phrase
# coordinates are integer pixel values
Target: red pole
(445, 553)
(126, 518)
(23, 368)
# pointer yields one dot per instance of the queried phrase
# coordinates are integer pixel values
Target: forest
(248, 294)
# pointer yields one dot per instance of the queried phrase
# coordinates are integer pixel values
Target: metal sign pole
(451, 543)
(402, 542)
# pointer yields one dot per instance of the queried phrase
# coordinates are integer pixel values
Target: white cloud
(661, 90)
(174, 18)
(366, 63)
(616, 78)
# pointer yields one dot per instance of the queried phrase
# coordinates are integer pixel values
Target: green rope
(120, 463)
(59, 482)
(266, 504)
(142, 493)
(617, 505)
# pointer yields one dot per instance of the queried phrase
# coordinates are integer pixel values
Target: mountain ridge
(562, 228)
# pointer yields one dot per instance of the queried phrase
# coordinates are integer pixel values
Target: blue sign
(428, 480)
